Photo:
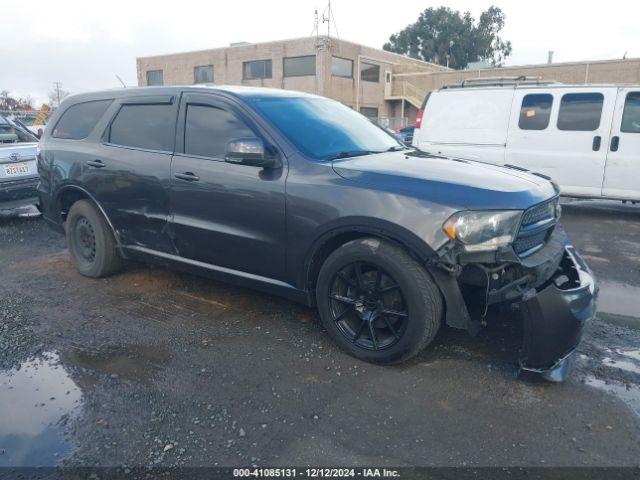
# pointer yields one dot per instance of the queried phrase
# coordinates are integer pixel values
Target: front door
(224, 214)
(563, 134)
(623, 160)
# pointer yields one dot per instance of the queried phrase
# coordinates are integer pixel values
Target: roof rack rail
(500, 82)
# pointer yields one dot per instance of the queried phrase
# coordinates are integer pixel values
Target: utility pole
(57, 89)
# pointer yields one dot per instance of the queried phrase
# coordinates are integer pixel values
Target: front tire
(377, 302)
(91, 242)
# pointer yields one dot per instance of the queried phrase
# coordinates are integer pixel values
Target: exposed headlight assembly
(483, 231)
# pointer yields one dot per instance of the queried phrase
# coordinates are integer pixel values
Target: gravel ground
(158, 368)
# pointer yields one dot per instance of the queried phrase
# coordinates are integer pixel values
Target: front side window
(369, 72)
(256, 69)
(78, 120)
(535, 111)
(208, 130)
(631, 114)
(341, 67)
(155, 77)
(299, 66)
(580, 111)
(338, 131)
(150, 127)
(203, 74)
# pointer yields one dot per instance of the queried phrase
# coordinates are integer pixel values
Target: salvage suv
(303, 197)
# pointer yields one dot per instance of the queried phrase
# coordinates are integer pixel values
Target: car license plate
(15, 169)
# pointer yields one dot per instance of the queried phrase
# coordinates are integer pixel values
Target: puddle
(619, 299)
(629, 394)
(137, 363)
(36, 399)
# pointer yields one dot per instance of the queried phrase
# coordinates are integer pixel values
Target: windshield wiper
(396, 148)
(351, 153)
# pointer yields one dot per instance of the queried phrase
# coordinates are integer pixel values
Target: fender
(86, 193)
(363, 226)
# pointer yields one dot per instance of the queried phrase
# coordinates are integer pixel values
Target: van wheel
(91, 242)
(377, 302)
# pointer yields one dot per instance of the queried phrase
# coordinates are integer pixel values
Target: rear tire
(377, 302)
(91, 241)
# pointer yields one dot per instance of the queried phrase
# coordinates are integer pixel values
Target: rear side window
(580, 111)
(535, 111)
(150, 127)
(78, 120)
(631, 115)
(209, 129)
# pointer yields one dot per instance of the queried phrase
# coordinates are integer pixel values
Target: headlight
(483, 231)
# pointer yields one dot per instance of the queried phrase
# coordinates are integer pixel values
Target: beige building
(379, 84)
(358, 76)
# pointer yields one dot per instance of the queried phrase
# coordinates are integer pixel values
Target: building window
(256, 69)
(369, 112)
(155, 77)
(535, 111)
(369, 72)
(299, 66)
(580, 111)
(341, 67)
(631, 115)
(203, 74)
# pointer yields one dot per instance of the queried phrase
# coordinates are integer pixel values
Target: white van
(585, 137)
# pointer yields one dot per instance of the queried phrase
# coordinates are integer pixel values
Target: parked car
(406, 134)
(586, 137)
(300, 196)
(18, 169)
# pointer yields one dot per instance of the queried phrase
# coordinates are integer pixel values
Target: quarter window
(369, 72)
(341, 67)
(580, 111)
(78, 120)
(535, 111)
(155, 77)
(256, 69)
(203, 74)
(208, 130)
(299, 66)
(150, 127)
(631, 114)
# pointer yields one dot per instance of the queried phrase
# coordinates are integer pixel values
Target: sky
(84, 44)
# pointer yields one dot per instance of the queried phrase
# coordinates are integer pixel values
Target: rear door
(623, 159)
(224, 214)
(128, 172)
(562, 133)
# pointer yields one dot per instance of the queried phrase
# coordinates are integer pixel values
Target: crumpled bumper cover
(554, 318)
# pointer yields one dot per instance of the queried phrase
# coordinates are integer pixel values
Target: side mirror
(249, 151)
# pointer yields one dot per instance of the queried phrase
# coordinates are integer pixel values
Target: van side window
(535, 111)
(78, 120)
(580, 111)
(208, 130)
(631, 115)
(150, 127)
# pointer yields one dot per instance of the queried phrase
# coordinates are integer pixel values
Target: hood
(462, 184)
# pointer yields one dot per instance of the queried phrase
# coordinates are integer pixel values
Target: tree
(448, 37)
(9, 103)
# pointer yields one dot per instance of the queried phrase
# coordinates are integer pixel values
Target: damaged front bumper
(554, 317)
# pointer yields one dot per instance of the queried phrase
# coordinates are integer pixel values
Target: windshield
(325, 129)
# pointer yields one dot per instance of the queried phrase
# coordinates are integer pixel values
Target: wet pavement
(158, 368)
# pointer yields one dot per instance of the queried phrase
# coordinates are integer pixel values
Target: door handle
(96, 163)
(187, 176)
(597, 141)
(615, 143)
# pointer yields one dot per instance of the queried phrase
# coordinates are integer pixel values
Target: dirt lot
(153, 367)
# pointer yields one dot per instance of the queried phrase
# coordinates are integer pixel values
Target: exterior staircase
(402, 89)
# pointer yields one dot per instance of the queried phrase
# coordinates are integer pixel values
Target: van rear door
(466, 122)
(623, 159)
(562, 133)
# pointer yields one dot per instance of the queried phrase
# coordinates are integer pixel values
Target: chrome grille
(536, 227)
